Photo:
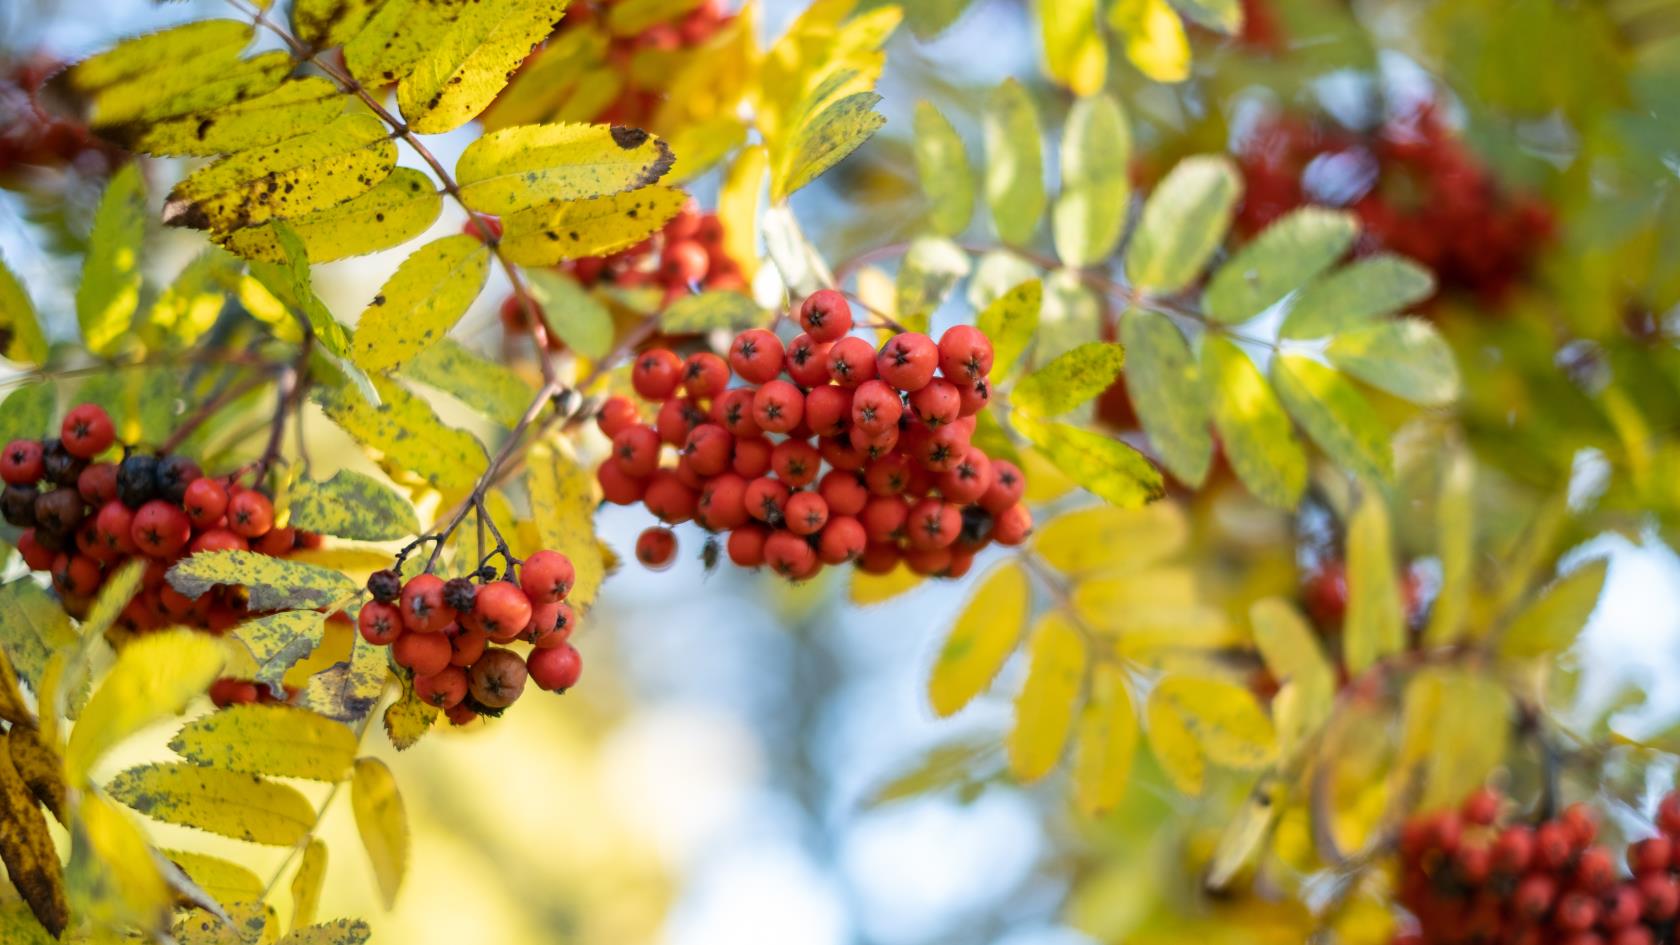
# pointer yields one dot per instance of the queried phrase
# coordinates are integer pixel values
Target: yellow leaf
(1224, 718)
(629, 17)
(1103, 538)
(982, 638)
(1073, 378)
(328, 23)
(382, 823)
(543, 236)
(1010, 321)
(112, 876)
(1455, 532)
(1108, 736)
(25, 344)
(470, 63)
(336, 932)
(527, 166)
(1154, 38)
(1375, 624)
(254, 923)
(18, 926)
(230, 803)
(1174, 745)
(278, 641)
(33, 626)
(421, 301)
(400, 208)
(140, 55)
(1106, 466)
(740, 197)
(1241, 840)
(351, 689)
(397, 36)
(276, 740)
(408, 719)
(1551, 623)
(1258, 438)
(1335, 414)
(155, 676)
(225, 881)
(188, 88)
(825, 140)
(866, 590)
(296, 177)
(1074, 54)
(406, 433)
(1045, 707)
(1452, 757)
(1287, 644)
(350, 505)
(306, 884)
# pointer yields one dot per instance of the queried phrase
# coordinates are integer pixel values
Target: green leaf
(1010, 321)
(825, 140)
(326, 23)
(27, 411)
(421, 301)
(490, 388)
(1107, 467)
(1165, 385)
(1070, 380)
(296, 177)
(278, 641)
(155, 677)
(350, 505)
(543, 236)
(635, 16)
(1375, 623)
(712, 311)
(574, 312)
(407, 434)
(1045, 706)
(279, 741)
(981, 639)
(932, 267)
(33, 626)
(1090, 212)
(400, 208)
(464, 71)
(1551, 623)
(109, 293)
(1455, 529)
(929, 18)
(1075, 56)
(996, 272)
(19, 324)
(1335, 414)
(1280, 260)
(1253, 427)
(942, 166)
(1406, 357)
(1183, 222)
(229, 803)
(526, 166)
(1014, 162)
(138, 56)
(271, 583)
(289, 280)
(382, 822)
(1154, 38)
(1362, 291)
(349, 690)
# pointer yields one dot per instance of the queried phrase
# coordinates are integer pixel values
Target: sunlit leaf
(1360, 292)
(1183, 222)
(984, 635)
(464, 69)
(1242, 838)
(1225, 719)
(350, 505)
(1107, 741)
(1074, 54)
(1010, 320)
(112, 876)
(1407, 357)
(1254, 430)
(1288, 253)
(1375, 623)
(1103, 538)
(382, 822)
(155, 677)
(307, 883)
(712, 311)
(866, 589)
(490, 388)
(597, 226)
(33, 626)
(1045, 706)
(139, 55)
(943, 168)
(574, 313)
(1455, 530)
(109, 293)
(563, 502)
(349, 690)
(21, 326)
(241, 806)
(526, 166)
(276, 740)
(1154, 38)
(407, 434)
(336, 932)
(395, 211)
(225, 881)
(1335, 414)
(272, 583)
(1552, 622)
(408, 719)
(1106, 466)
(1096, 156)
(1070, 380)
(1014, 179)
(825, 140)
(421, 301)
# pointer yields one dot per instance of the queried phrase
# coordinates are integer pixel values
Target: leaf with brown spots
(349, 690)
(336, 932)
(422, 300)
(825, 140)
(225, 881)
(412, 442)
(295, 107)
(408, 719)
(187, 88)
(402, 207)
(231, 803)
(462, 72)
(543, 236)
(41, 768)
(26, 846)
(331, 22)
(527, 166)
(281, 741)
(272, 583)
(140, 55)
(306, 884)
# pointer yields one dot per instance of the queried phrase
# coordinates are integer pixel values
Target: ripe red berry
(1649, 855)
(37, 556)
(789, 555)
(752, 457)
(498, 678)
(423, 609)
(884, 518)
(425, 653)
(616, 414)
(778, 406)
(547, 576)
(501, 609)
(466, 644)
(677, 418)
(250, 514)
(1552, 845)
(806, 361)
(656, 548)
(873, 446)
(876, 407)
(21, 463)
(444, 688)
(683, 262)
(928, 561)
(218, 539)
(756, 355)
(806, 513)
(225, 692)
(826, 315)
(969, 479)
(941, 449)
(705, 375)
(709, 449)
(160, 529)
(766, 498)
(555, 669)
(1595, 870)
(483, 227)
(380, 623)
(205, 501)
(1532, 898)
(636, 450)
(851, 361)
(97, 484)
(1513, 849)
(843, 539)
(656, 373)
(1576, 912)
(937, 404)
(1481, 807)
(669, 499)
(1583, 827)
(114, 526)
(796, 462)
(723, 503)
(907, 361)
(75, 575)
(1622, 907)
(551, 624)
(746, 545)
(965, 353)
(1012, 526)
(87, 431)
(1668, 814)
(844, 492)
(733, 410)
(933, 524)
(973, 398)
(278, 542)
(828, 409)
(878, 558)
(1661, 893)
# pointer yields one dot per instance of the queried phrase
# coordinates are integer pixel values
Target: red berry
(878, 558)
(444, 688)
(460, 715)
(683, 262)
(656, 548)
(1649, 855)
(75, 575)
(616, 414)
(425, 653)
(778, 406)
(928, 561)
(705, 375)
(842, 540)
(884, 518)
(218, 539)
(278, 542)
(933, 524)
(36, 555)
(806, 513)
(677, 419)
(746, 545)
(843, 491)
(709, 449)
(766, 498)
(1595, 870)
(226, 692)
(379, 623)
(876, 407)
(937, 404)
(98, 483)
(826, 315)
(828, 409)
(1661, 894)
(1622, 907)
(501, 609)
(160, 529)
(756, 355)
(965, 354)
(21, 464)
(851, 361)
(807, 361)
(250, 514)
(114, 526)
(1513, 849)
(789, 555)
(1552, 845)
(656, 373)
(1581, 823)
(636, 450)
(969, 479)
(478, 225)
(618, 486)
(723, 503)
(733, 410)
(1481, 807)
(973, 398)
(1012, 526)
(1532, 898)
(466, 644)
(669, 499)
(1668, 814)
(839, 453)
(551, 624)
(796, 462)
(205, 501)
(1576, 912)
(907, 361)
(423, 609)
(873, 446)
(87, 431)
(752, 457)
(546, 577)
(941, 449)
(498, 678)
(555, 669)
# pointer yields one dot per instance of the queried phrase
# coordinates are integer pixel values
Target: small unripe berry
(385, 586)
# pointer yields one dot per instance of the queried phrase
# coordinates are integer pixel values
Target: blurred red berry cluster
(639, 95)
(31, 136)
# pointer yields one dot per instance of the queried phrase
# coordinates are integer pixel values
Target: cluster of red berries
(32, 136)
(903, 481)
(1465, 879)
(83, 517)
(442, 631)
(1416, 188)
(639, 96)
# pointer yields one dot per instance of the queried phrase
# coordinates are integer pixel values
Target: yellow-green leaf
(27, 411)
(408, 719)
(563, 503)
(112, 876)
(296, 107)
(1255, 431)
(407, 434)
(1224, 16)
(1287, 644)
(1183, 222)
(289, 280)
(575, 314)
(1108, 737)
(1010, 320)
(342, 160)
(826, 139)
(400, 208)
(25, 343)
(324, 23)
(241, 806)
(1452, 757)
(1375, 625)
(942, 166)
(1071, 379)
(1551, 623)
(421, 301)
(1014, 178)
(1406, 357)
(712, 311)
(109, 293)
(1242, 839)
(1165, 384)
(1154, 38)
(272, 583)
(931, 268)
(1225, 719)
(1360, 292)
(306, 884)
(350, 505)
(1283, 258)
(1102, 538)
(1455, 532)
(382, 822)
(1335, 414)
(866, 590)
(1104, 465)
(1074, 54)
(191, 304)
(399, 35)
(543, 236)
(188, 88)
(280, 741)
(1045, 707)
(1174, 745)
(1091, 209)
(336, 932)
(225, 881)
(526, 166)
(982, 638)
(155, 677)
(488, 387)
(349, 690)
(140, 55)
(33, 626)
(471, 62)
(278, 641)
